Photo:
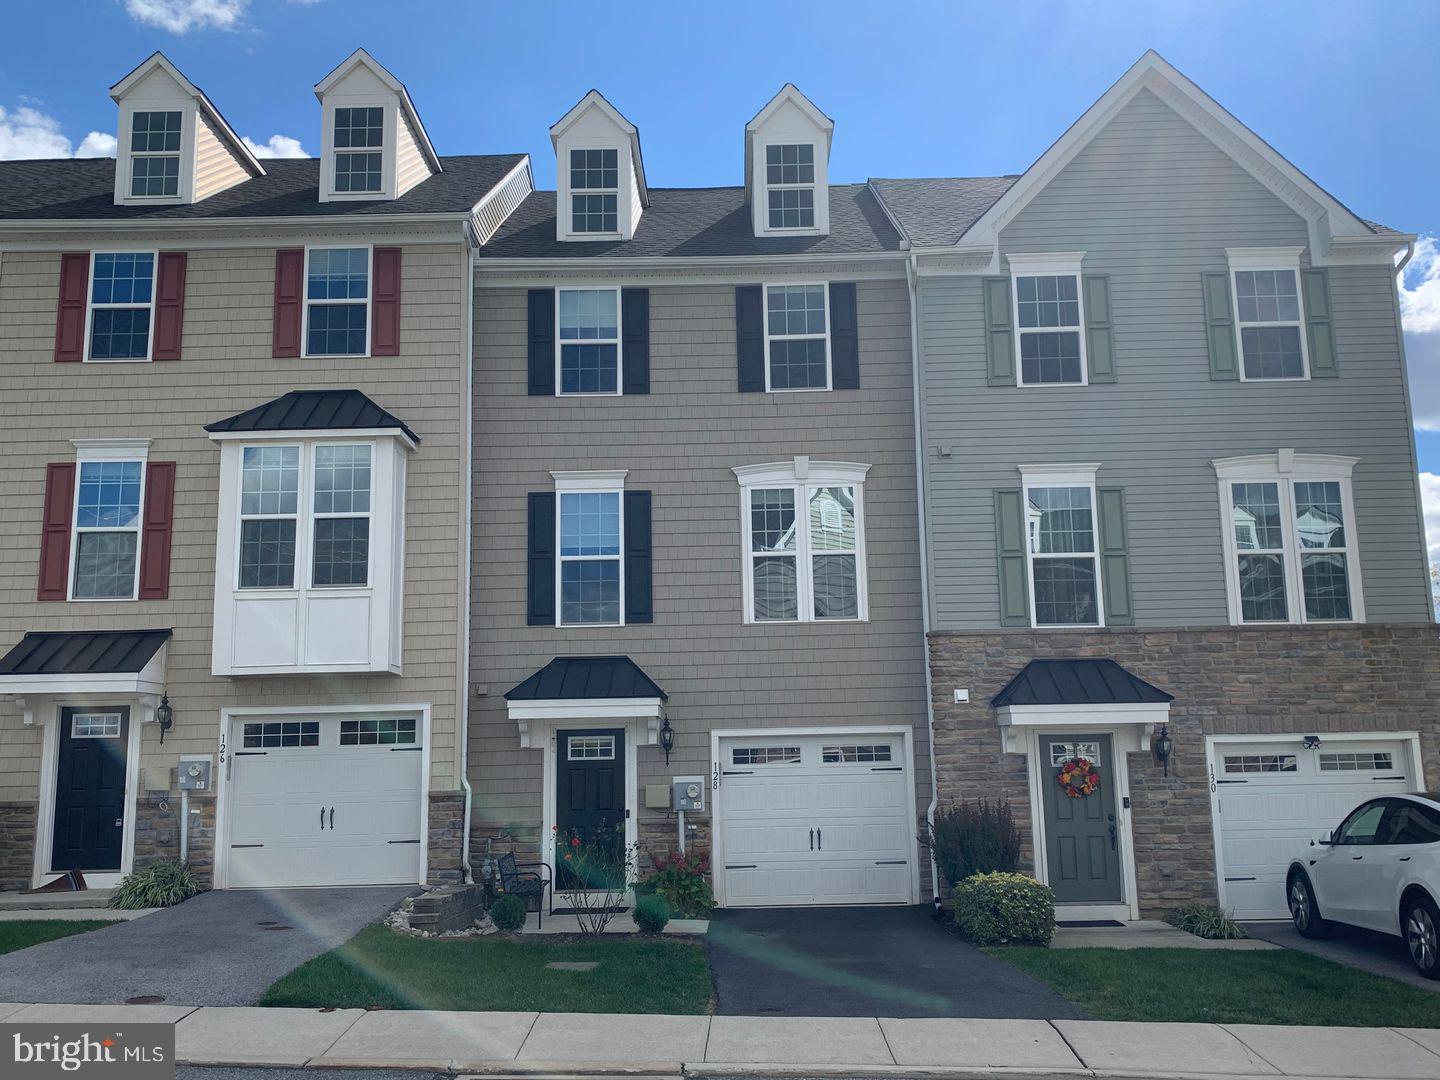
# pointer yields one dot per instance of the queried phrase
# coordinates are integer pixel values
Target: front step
(87, 898)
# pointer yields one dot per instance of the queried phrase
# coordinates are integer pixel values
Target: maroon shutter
(70, 315)
(385, 307)
(55, 530)
(156, 525)
(289, 301)
(169, 305)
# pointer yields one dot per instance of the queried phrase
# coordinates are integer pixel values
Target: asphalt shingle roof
(314, 410)
(58, 190)
(94, 652)
(1077, 682)
(577, 677)
(938, 210)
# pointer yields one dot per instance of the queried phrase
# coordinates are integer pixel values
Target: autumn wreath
(1078, 777)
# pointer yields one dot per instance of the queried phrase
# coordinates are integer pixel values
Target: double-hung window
(337, 301)
(359, 146)
(1061, 547)
(1289, 539)
(589, 573)
(341, 545)
(1049, 319)
(797, 337)
(588, 342)
(269, 516)
(154, 154)
(106, 560)
(790, 185)
(594, 191)
(804, 541)
(122, 305)
(1269, 313)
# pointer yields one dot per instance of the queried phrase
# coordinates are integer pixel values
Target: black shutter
(844, 337)
(542, 342)
(639, 597)
(635, 354)
(540, 577)
(750, 337)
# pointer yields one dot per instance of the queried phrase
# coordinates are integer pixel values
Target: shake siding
(410, 165)
(680, 442)
(1153, 204)
(226, 368)
(215, 166)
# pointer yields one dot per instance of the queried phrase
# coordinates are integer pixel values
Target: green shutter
(1099, 347)
(1114, 558)
(1220, 326)
(1010, 549)
(1321, 338)
(999, 334)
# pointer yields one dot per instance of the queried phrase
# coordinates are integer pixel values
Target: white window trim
(619, 340)
(622, 161)
(1053, 264)
(94, 714)
(824, 286)
(348, 515)
(803, 475)
(90, 450)
(189, 119)
(384, 149)
(1069, 476)
(812, 187)
(604, 481)
(388, 150)
(1276, 258)
(154, 254)
(178, 154)
(1283, 468)
(369, 301)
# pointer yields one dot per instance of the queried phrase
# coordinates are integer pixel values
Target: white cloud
(182, 16)
(26, 132)
(279, 146)
(1420, 313)
(1430, 500)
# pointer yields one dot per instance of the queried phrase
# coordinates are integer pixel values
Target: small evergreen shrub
(161, 884)
(651, 913)
(972, 838)
(508, 913)
(1206, 921)
(1004, 909)
(682, 882)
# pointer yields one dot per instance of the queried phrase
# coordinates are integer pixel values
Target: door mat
(589, 911)
(1085, 924)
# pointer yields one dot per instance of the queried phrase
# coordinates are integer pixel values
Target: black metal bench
(522, 880)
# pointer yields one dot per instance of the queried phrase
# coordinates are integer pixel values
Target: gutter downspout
(462, 740)
(912, 280)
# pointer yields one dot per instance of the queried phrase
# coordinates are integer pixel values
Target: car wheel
(1421, 923)
(1304, 912)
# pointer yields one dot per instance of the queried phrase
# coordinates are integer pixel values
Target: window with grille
(590, 748)
(1261, 763)
(1356, 761)
(378, 731)
(282, 733)
(765, 755)
(855, 753)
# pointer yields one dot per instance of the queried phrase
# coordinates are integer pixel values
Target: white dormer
(173, 146)
(600, 175)
(375, 146)
(787, 166)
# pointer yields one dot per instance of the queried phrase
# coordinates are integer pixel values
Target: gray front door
(1082, 839)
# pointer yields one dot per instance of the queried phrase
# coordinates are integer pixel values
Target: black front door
(1082, 837)
(90, 789)
(589, 795)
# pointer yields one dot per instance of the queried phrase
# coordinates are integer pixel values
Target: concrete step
(89, 898)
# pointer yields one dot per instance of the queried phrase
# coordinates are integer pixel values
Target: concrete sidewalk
(576, 1043)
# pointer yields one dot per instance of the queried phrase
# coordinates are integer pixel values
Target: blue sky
(916, 88)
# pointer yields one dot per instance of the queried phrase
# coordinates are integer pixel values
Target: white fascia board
(586, 709)
(793, 94)
(1080, 716)
(148, 680)
(318, 435)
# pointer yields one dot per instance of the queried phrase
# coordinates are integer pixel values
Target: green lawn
(22, 933)
(1261, 987)
(380, 968)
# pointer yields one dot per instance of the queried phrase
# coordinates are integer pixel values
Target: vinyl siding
(410, 164)
(1153, 204)
(216, 168)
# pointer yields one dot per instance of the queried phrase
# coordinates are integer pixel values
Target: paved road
(221, 948)
(245, 1072)
(863, 962)
(1379, 954)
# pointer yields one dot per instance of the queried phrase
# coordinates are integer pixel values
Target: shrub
(161, 884)
(1206, 921)
(1004, 909)
(972, 838)
(508, 913)
(681, 881)
(651, 913)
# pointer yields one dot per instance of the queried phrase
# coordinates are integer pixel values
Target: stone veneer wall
(444, 859)
(157, 831)
(17, 844)
(1226, 681)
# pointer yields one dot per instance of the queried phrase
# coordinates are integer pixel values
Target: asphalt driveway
(220, 948)
(863, 962)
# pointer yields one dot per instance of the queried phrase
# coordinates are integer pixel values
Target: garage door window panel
(855, 754)
(1351, 761)
(1261, 763)
(765, 755)
(379, 731)
(282, 733)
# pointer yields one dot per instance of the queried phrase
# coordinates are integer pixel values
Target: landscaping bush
(681, 881)
(651, 913)
(1206, 921)
(1004, 909)
(972, 838)
(508, 913)
(161, 884)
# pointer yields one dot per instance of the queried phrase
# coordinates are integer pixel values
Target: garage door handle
(892, 862)
(812, 839)
(1356, 858)
(819, 840)
(332, 819)
(402, 841)
(322, 819)
(741, 866)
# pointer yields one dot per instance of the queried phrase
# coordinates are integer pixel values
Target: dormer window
(359, 148)
(787, 164)
(790, 185)
(595, 189)
(155, 154)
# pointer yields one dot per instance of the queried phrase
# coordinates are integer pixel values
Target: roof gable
(790, 95)
(594, 101)
(360, 65)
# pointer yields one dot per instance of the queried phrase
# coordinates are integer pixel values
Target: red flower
(574, 842)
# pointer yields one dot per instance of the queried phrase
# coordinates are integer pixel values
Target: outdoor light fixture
(1164, 746)
(164, 716)
(1312, 742)
(667, 739)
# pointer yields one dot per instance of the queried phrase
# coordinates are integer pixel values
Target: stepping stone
(573, 965)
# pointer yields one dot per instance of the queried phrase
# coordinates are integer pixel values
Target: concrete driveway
(1365, 950)
(221, 948)
(863, 962)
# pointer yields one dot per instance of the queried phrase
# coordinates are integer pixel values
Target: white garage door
(815, 820)
(325, 802)
(1274, 798)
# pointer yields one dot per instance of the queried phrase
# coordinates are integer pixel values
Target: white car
(1379, 870)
